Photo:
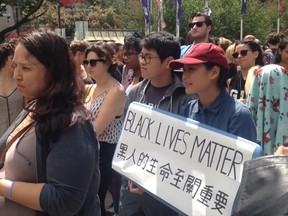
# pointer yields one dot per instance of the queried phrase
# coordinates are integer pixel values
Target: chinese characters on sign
(176, 177)
(195, 169)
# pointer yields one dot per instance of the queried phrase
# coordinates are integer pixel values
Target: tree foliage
(28, 11)
(260, 20)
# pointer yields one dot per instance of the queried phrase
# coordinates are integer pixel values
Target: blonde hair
(229, 51)
(224, 43)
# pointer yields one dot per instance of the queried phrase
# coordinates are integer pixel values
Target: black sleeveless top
(237, 86)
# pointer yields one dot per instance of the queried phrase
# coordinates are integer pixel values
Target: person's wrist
(6, 187)
(2, 187)
(9, 190)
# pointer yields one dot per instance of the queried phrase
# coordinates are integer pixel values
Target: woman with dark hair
(247, 55)
(106, 100)
(281, 56)
(51, 160)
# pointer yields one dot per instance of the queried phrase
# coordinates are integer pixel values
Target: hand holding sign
(134, 189)
(200, 166)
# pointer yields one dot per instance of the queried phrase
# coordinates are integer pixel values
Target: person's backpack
(264, 187)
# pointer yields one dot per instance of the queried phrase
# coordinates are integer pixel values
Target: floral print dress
(268, 102)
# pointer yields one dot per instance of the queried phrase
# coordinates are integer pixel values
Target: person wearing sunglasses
(247, 54)
(199, 29)
(78, 48)
(205, 71)
(105, 100)
(280, 58)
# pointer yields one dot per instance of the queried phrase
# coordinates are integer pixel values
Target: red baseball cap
(201, 53)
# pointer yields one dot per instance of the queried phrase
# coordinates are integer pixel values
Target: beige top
(20, 165)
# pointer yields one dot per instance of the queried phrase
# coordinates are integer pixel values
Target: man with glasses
(160, 88)
(200, 28)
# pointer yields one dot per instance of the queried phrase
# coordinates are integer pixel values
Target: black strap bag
(264, 187)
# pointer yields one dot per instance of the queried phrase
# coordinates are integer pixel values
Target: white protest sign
(194, 168)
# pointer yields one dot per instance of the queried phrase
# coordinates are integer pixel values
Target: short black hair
(131, 34)
(6, 50)
(273, 38)
(132, 42)
(282, 45)
(208, 20)
(165, 44)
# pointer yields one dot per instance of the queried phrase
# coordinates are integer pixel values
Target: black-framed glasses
(146, 58)
(198, 24)
(242, 53)
(92, 62)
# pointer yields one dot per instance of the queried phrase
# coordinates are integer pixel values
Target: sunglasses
(242, 53)
(198, 24)
(92, 62)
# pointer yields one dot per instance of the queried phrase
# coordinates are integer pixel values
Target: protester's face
(196, 78)
(95, 70)
(130, 58)
(81, 57)
(284, 55)
(247, 59)
(200, 32)
(120, 52)
(150, 64)
(9, 64)
(29, 73)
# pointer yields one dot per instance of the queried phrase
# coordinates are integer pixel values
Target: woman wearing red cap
(205, 71)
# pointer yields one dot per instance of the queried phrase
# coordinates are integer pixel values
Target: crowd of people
(63, 106)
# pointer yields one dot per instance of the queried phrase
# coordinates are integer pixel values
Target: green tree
(27, 11)
(260, 20)
(132, 16)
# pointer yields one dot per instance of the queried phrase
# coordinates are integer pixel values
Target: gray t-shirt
(154, 95)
